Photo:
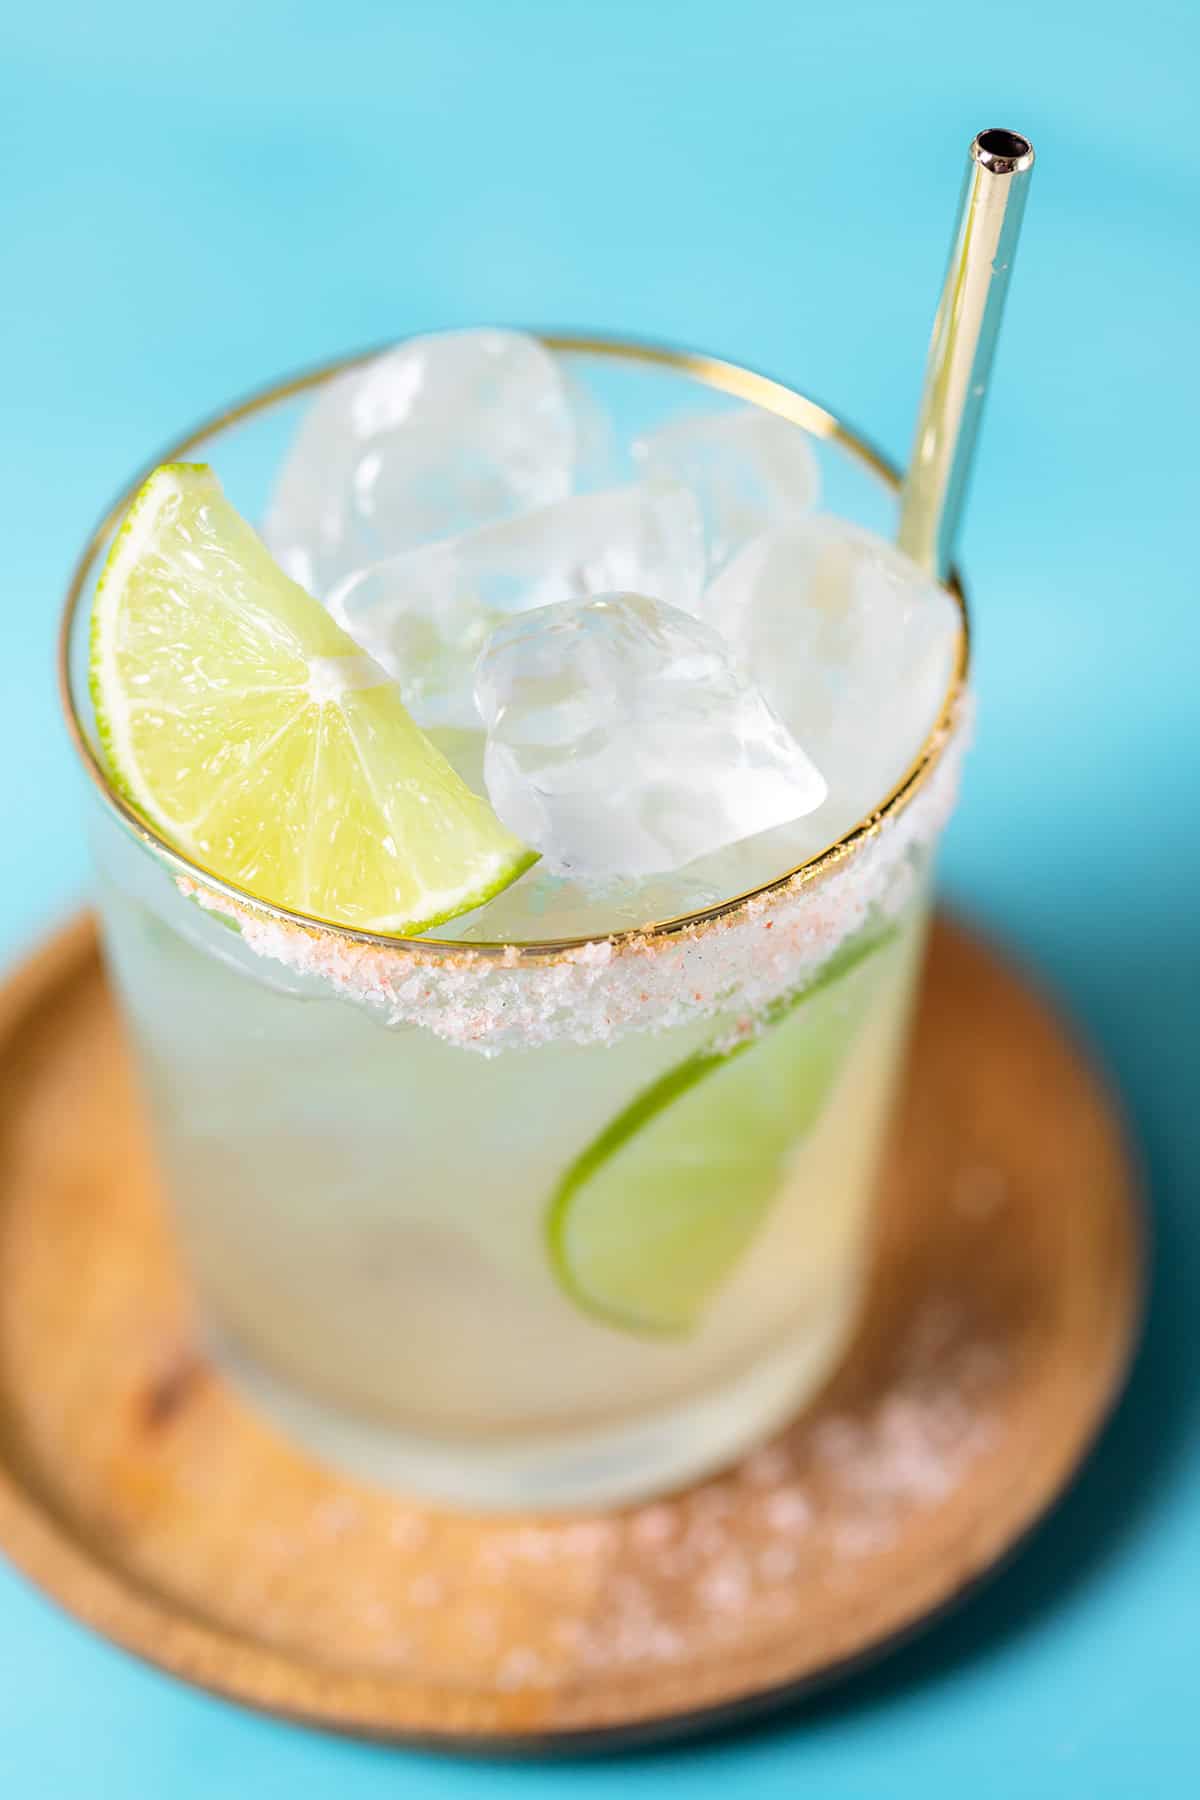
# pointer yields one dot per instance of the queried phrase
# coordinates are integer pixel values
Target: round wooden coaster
(144, 1497)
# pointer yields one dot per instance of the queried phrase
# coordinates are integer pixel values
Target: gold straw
(964, 341)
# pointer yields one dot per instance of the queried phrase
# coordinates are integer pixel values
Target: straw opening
(1003, 152)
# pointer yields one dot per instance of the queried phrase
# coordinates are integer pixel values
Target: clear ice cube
(425, 614)
(749, 469)
(436, 436)
(624, 740)
(853, 645)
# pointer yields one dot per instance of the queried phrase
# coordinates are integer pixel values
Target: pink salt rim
(596, 992)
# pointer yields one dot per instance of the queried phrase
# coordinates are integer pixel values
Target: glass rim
(726, 377)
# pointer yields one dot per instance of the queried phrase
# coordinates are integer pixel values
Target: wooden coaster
(145, 1498)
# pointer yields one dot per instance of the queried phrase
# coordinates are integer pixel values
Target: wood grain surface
(138, 1490)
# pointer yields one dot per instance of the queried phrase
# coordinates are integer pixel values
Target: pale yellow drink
(363, 1214)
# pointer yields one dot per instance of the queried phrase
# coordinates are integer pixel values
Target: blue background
(198, 197)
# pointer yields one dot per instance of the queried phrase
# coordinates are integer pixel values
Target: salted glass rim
(715, 372)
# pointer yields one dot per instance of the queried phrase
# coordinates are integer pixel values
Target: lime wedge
(257, 737)
(651, 1218)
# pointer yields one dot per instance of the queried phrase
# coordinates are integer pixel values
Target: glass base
(562, 1471)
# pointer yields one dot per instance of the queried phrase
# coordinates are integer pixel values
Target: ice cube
(853, 645)
(438, 435)
(425, 614)
(624, 740)
(749, 469)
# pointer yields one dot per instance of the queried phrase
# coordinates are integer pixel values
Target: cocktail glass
(555, 1222)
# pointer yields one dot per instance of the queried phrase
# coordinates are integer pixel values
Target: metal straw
(964, 341)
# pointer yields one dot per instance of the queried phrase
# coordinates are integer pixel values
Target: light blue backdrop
(196, 197)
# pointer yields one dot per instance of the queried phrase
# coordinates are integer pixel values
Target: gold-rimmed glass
(365, 1203)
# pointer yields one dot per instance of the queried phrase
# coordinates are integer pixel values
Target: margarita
(514, 869)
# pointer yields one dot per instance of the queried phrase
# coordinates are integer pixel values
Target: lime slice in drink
(256, 736)
(651, 1218)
